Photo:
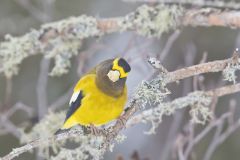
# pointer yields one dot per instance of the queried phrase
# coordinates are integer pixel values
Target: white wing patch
(74, 97)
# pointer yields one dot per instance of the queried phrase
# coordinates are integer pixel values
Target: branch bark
(214, 66)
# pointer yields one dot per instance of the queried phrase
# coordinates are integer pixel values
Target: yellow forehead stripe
(123, 74)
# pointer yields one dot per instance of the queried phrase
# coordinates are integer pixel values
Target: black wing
(74, 105)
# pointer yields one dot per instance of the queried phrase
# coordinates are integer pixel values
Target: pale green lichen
(152, 21)
(76, 27)
(61, 54)
(68, 43)
(88, 146)
(229, 73)
(119, 139)
(59, 40)
(200, 111)
(198, 101)
(43, 130)
(14, 50)
(152, 92)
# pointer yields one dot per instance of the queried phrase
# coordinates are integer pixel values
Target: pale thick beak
(113, 75)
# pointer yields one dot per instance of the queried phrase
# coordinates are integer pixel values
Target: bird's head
(119, 70)
(111, 75)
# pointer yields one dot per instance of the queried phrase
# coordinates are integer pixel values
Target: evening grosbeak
(99, 96)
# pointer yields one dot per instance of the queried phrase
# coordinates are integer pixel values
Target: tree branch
(214, 66)
(133, 106)
(108, 135)
(56, 39)
(41, 88)
(201, 3)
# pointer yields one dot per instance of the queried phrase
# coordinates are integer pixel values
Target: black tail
(61, 131)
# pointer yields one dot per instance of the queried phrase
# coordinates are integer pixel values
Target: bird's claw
(94, 130)
(122, 121)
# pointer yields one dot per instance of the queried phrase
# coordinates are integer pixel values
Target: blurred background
(178, 48)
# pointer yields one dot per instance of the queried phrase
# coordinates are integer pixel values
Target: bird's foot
(94, 130)
(122, 121)
(126, 109)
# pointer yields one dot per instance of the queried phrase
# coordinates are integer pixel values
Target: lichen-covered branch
(182, 102)
(114, 130)
(61, 40)
(223, 126)
(212, 17)
(192, 98)
(8, 125)
(153, 92)
(16, 152)
(214, 66)
(200, 3)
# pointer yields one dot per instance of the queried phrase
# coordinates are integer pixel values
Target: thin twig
(213, 143)
(19, 106)
(188, 60)
(203, 133)
(8, 92)
(34, 11)
(217, 139)
(38, 142)
(168, 45)
(41, 88)
(9, 126)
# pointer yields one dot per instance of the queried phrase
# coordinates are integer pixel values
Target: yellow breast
(97, 108)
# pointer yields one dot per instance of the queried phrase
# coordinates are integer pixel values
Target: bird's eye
(113, 75)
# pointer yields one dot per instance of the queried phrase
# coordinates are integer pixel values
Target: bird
(99, 96)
